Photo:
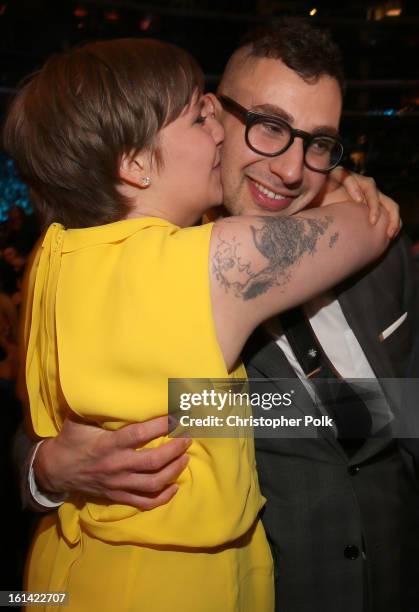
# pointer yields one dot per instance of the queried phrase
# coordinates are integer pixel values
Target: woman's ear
(132, 170)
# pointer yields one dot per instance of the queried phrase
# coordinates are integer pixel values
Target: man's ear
(215, 104)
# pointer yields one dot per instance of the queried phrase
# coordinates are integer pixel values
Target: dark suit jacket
(344, 533)
(410, 418)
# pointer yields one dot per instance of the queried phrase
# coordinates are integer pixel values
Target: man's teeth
(269, 193)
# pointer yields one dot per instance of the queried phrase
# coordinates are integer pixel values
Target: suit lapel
(264, 355)
(359, 305)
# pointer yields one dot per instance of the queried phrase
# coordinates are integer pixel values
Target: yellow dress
(113, 312)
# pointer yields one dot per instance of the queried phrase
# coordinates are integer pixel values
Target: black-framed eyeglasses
(271, 136)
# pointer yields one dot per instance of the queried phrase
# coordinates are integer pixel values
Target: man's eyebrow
(277, 111)
(327, 130)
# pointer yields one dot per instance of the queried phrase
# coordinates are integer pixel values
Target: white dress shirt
(343, 350)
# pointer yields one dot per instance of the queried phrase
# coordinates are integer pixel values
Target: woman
(117, 142)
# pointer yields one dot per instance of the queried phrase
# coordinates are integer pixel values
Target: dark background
(381, 55)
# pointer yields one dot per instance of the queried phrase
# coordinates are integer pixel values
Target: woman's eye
(200, 119)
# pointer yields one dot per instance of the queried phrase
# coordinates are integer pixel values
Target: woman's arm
(260, 266)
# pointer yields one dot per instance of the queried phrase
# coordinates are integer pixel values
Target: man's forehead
(272, 76)
(268, 85)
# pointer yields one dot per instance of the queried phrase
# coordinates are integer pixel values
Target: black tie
(351, 416)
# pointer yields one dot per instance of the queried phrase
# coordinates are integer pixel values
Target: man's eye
(321, 146)
(272, 129)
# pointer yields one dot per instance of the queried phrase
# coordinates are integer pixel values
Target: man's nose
(289, 166)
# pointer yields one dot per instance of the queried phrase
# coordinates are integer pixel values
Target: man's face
(281, 185)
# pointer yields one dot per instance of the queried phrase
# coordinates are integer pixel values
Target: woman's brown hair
(69, 125)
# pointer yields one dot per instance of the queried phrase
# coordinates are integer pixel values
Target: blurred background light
(145, 23)
(394, 12)
(112, 15)
(80, 12)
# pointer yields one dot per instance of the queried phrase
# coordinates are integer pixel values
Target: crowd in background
(18, 235)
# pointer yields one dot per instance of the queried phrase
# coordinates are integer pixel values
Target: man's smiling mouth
(269, 192)
(268, 199)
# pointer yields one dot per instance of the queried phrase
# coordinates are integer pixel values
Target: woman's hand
(343, 185)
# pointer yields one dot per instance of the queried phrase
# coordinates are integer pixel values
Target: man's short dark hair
(308, 51)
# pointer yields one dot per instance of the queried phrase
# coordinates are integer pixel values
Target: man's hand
(342, 185)
(99, 463)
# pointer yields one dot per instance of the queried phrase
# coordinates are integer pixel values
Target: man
(333, 517)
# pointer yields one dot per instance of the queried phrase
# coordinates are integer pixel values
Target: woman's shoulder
(144, 230)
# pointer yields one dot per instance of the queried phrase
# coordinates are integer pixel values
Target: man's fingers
(153, 482)
(144, 502)
(153, 459)
(143, 484)
(138, 434)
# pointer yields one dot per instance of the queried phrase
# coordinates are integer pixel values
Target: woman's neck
(149, 210)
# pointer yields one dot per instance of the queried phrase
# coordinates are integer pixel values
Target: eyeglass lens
(273, 137)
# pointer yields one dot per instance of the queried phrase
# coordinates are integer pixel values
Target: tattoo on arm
(282, 243)
(333, 240)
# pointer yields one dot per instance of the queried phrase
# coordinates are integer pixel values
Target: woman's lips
(263, 200)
